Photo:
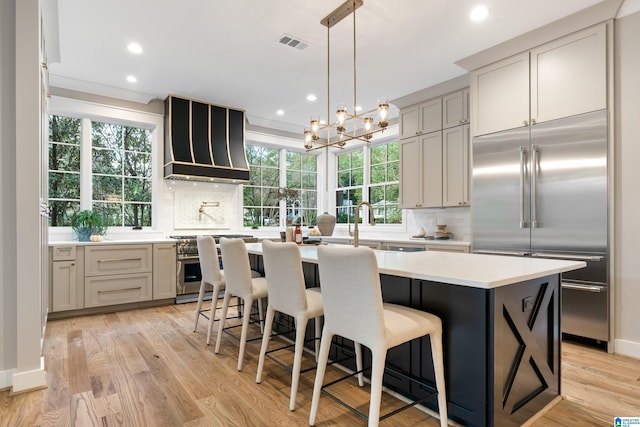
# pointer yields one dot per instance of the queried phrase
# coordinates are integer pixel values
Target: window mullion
(282, 176)
(86, 177)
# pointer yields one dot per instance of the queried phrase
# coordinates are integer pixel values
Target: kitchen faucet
(356, 235)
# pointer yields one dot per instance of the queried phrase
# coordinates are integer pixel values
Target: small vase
(326, 224)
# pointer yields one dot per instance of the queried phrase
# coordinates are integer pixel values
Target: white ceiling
(226, 52)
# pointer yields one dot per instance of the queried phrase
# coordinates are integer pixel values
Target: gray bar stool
(239, 283)
(288, 295)
(353, 309)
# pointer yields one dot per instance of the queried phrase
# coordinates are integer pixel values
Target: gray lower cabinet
(164, 270)
(64, 286)
(91, 276)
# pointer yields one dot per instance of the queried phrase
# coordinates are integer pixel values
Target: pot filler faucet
(355, 234)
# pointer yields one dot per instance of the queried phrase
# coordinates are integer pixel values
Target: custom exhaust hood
(204, 142)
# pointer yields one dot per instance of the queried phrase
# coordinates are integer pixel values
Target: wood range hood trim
(204, 142)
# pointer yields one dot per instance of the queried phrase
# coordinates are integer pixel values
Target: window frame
(88, 111)
(364, 213)
(282, 206)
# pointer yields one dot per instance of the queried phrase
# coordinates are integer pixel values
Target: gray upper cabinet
(558, 79)
(455, 109)
(421, 119)
(434, 152)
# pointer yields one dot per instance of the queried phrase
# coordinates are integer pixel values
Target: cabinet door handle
(526, 123)
(111, 291)
(533, 121)
(119, 259)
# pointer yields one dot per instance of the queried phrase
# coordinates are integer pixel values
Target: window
(64, 169)
(280, 174)
(261, 203)
(384, 188)
(302, 176)
(121, 169)
(380, 184)
(118, 170)
(350, 185)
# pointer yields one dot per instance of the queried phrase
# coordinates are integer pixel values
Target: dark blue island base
(501, 346)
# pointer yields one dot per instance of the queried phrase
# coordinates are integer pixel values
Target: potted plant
(87, 223)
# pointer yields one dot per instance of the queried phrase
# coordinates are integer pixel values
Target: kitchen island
(501, 324)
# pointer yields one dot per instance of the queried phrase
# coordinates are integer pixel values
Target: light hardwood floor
(147, 367)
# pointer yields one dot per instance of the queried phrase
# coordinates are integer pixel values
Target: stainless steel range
(188, 265)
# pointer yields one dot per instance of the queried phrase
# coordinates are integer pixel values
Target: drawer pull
(119, 259)
(110, 291)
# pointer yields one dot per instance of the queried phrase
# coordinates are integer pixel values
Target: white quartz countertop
(398, 240)
(473, 270)
(133, 241)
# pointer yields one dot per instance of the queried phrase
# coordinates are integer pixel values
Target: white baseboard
(6, 378)
(29, 380)
(627, 348)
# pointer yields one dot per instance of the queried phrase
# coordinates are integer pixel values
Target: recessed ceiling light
(479, 13)
(134, 48)
(358, 108)
(132, 79)
(280, 113)
(311, 97)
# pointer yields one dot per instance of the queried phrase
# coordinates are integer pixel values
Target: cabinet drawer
(118, 259)
(64, 253)
(117, 289)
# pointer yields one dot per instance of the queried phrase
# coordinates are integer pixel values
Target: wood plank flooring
(148, 368)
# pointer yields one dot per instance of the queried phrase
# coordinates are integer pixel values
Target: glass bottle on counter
(298, 234)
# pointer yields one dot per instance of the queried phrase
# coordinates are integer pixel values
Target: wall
(626, 316)
(7, 194)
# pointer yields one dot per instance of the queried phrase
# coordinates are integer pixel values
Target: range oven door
(188, 275)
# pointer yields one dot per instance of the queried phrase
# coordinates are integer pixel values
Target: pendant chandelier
(347, 126)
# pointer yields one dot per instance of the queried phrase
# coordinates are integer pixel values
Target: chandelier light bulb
(368, 124)
(341, 113)
(308, 139)
(383, 112)
(315, 123)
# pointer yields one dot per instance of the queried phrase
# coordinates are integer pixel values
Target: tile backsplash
(457, 220)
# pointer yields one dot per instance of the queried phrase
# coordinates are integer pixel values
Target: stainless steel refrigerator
(541, 191)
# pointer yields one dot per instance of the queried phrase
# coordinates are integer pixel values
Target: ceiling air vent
(293, 42)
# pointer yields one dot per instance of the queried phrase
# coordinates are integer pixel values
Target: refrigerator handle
(534, 186)
(523, 153)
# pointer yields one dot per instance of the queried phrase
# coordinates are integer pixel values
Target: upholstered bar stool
(211, 276)
(288, 295)
(238, 280)
(353, 309)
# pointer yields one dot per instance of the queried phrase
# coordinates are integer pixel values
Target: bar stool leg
(378, 358)
(325, 345)
(223, 317)
(260, 315)
(199, 306)
(438, 367)
(316, 337)
(358, 348)
(214, 306)
(266, 337)
(243, 335)
(301, 324)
